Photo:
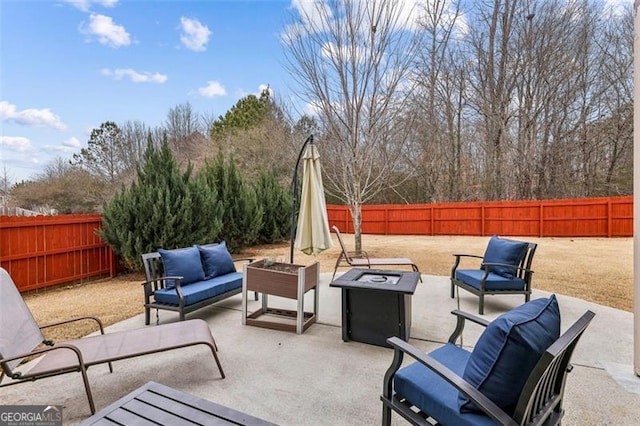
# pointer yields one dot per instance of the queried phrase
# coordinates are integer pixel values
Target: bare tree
(439, 103)
(493, 81)
(181, 125)
(351, 60)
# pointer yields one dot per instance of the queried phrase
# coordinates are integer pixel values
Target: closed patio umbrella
(312, 235)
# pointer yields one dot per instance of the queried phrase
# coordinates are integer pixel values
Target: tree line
(448, 101)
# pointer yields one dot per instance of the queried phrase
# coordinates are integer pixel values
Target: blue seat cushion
(504, 251)
(216, 259)
(432, 394)
(183, 262)
(508, 350)
(198, 291)
(494, 282)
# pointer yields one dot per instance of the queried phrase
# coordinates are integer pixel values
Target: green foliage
(163, 208)
(276, 204)
(241, 214)
(245, 114)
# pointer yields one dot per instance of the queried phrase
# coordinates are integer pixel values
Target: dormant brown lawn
(599, 270)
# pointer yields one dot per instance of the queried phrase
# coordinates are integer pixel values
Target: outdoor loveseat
(185, 279)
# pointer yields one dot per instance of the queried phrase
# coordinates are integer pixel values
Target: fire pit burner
(379, 278)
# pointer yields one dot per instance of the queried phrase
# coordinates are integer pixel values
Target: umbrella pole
(294, 195)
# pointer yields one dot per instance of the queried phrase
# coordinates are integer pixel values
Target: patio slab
(317, 379)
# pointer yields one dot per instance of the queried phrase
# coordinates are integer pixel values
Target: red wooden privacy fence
(585, 217)
(42, 251)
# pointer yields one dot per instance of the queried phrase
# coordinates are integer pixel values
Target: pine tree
(163, 208)
(276, 205)
(241, 215)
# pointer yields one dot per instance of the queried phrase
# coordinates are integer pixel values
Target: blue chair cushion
(216, 260)
(195, 292)
(508, 350)
(183, 262)
(432, 394)
(504, 251)
(494, 282)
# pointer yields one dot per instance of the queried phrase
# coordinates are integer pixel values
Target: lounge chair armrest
(92, 318)
(481, 401)
(461, 318)
(355, 255)
(18, 375)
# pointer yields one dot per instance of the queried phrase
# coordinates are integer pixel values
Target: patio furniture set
(514, 375)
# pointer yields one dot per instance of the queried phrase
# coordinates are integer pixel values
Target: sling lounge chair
(20, 337)
(362, 259)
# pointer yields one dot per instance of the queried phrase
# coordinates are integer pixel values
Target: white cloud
(16, 143)
(72, 142)
(106, 31)
(30, 117)
(312, 109)
(135, 76)
(195, 36)
(85, 5)
(212, 89)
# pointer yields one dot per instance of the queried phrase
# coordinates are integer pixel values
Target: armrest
(55, 324)
(456, 262)
(481, 401)
(18, 374)
(468, 255)
(362, 255)
(177, 285)
(461, 318)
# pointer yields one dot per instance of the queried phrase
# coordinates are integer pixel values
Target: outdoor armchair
(21, 337)
(362, 259)
(515, 374)
(505, 269)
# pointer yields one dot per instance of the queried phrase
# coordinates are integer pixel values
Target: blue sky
(68, 66)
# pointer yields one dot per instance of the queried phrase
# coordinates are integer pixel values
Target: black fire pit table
(376, 304)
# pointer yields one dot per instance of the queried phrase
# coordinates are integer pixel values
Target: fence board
(41, 251)
(586, 217)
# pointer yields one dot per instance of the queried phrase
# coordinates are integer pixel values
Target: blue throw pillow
(216, 260)
(184, 262)
(508, 350)
(504, 251)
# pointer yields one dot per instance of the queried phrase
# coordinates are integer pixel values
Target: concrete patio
(317, 379)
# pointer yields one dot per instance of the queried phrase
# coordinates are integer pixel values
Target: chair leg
(87, 389)
(481, 304)
(147, 316)
(453, 292)
(386, 415)
(214, 348)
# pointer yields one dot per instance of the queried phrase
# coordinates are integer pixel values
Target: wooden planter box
(284, 280)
